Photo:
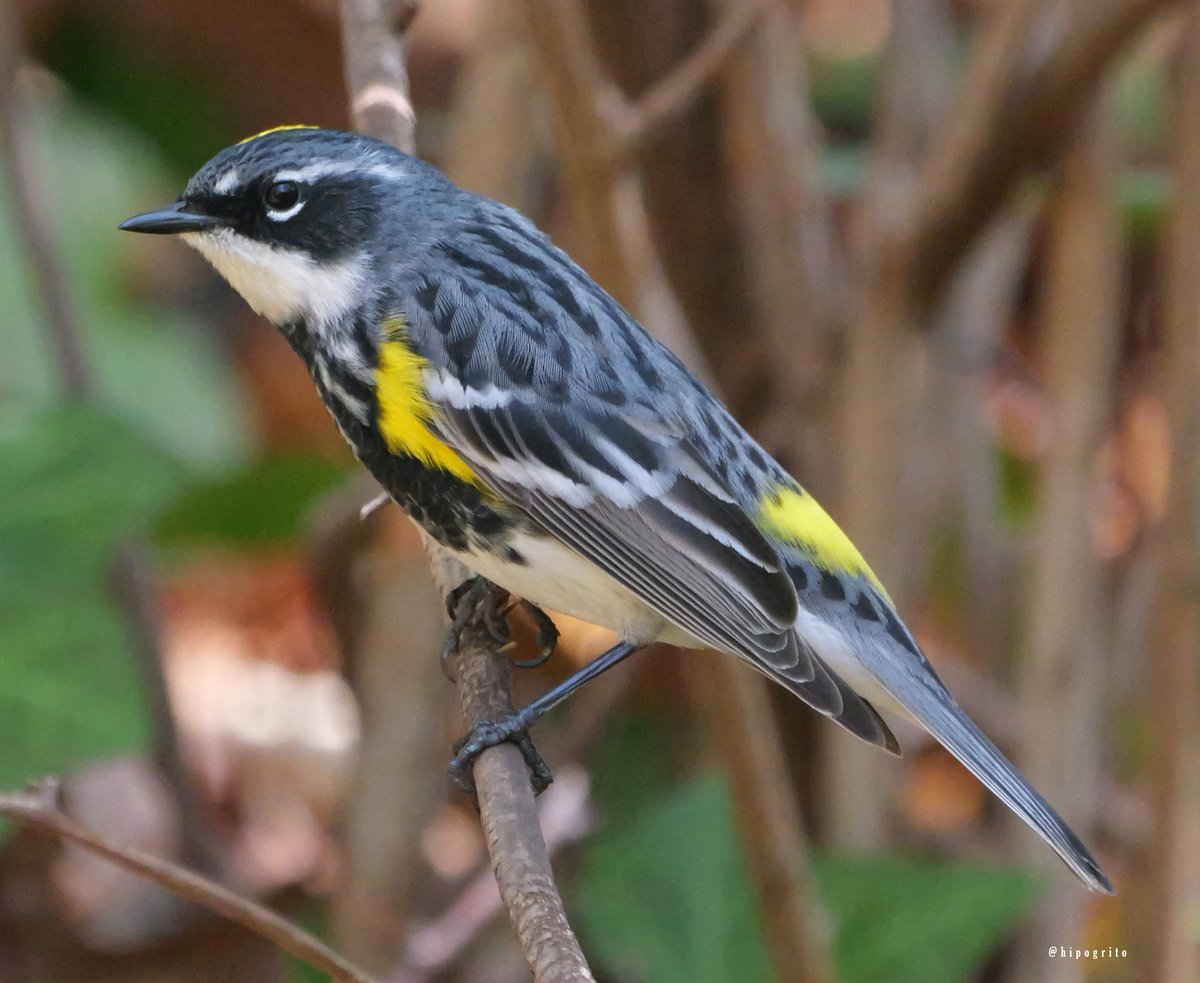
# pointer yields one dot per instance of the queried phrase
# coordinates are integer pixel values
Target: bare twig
(37, 809)
(520, 859)
(1035, 71)
(373, 51)
(669, 98)
(795, 274)
(129, 578)
(1061, 685)
(434, 945)
(628, 126)
(884, 360)
(378, 87)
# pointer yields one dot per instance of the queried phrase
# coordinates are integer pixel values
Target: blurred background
(942, 257)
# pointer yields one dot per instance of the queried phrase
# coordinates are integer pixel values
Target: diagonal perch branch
(372, 40)
(37, 809)
(520, 859)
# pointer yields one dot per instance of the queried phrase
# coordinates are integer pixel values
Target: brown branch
(375, 73)
(668, 99)
(129, 577)
(520, 859)
(373, 52)
(1027, 85)
(37, 809)
(795, 275)
(1062, 677)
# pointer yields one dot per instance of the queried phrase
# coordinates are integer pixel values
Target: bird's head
(298, 218)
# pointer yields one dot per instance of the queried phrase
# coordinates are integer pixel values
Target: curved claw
(547, 636)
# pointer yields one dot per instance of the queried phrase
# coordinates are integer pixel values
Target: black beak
(171, 221)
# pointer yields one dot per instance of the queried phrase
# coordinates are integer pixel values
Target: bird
(539, 435)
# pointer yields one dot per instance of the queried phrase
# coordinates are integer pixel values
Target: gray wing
(638, 505)
(546, 388)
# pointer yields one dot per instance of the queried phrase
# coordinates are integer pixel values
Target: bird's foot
(547, 636)
(475, 595)
(488, 733)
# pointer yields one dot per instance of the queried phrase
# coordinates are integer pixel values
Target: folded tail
(922, 694)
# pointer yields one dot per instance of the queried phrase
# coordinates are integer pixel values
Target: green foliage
(1145, 194)
(262, 504)
(844, 93)
(905, 920)
(75, 482)
(666, 898)
(154, 369)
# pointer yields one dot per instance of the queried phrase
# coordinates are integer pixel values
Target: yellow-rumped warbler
(538, 434)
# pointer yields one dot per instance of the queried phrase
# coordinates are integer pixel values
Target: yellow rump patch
(795, 517)
(278, 129)
(404, 410)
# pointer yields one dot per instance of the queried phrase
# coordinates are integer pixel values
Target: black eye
(282, 195)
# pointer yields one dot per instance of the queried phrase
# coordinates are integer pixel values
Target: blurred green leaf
(666, 898)
(264, 503)
(156, 369)
(844, 92)
(1144, 195)
(75, 482)
(904, 920)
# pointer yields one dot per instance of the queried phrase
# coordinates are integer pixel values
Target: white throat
(284, 284)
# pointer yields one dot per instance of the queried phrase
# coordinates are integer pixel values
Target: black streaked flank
(896, 630)
(831, 586)
(864, 608)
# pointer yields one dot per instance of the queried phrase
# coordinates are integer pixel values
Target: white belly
(556, 577)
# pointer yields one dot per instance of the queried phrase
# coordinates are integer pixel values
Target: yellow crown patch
(278, 129)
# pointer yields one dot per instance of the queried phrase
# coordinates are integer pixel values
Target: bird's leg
(547, 636)
(515, 727)
(461, 604)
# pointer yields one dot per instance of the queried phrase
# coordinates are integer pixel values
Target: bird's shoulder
(495, 302)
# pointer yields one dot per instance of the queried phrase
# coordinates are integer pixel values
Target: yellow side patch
(404, 410)
(278, 129)
(795, 517)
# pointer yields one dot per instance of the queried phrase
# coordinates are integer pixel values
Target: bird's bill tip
(169, 221)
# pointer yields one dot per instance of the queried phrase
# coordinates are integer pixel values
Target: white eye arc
(283, 199)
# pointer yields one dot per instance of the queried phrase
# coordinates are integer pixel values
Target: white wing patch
(443, 387)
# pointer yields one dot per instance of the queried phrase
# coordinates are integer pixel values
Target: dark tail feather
(829, 694)
(934, 708)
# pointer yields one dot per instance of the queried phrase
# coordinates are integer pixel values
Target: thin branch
(33, 222)
(37, 809)
(433, 946)
(1062, 677)
(129, 578)
(373, 52)
(668, 99)
(372, 39)
(1028, 83)
(514, 838)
